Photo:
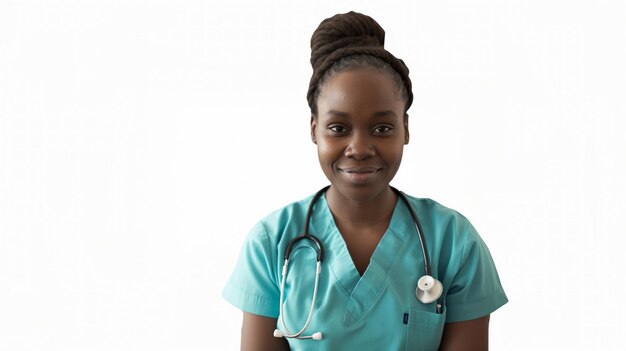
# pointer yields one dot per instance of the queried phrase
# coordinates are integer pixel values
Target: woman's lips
(360, 169)
(360, 175)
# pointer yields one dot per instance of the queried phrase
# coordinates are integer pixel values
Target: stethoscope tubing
(290, 334)
(418, 226)
(306, 235)
(320, 255)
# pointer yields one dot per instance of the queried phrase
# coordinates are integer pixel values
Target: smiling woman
(360, 131)
(394, 272)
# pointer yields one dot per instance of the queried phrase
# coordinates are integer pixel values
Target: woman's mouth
(360, 175)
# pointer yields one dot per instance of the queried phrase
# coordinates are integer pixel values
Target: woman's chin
(358, 191)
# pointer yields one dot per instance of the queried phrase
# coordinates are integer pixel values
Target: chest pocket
(424, 330)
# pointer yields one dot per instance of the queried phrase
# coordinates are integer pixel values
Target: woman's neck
(362, 213)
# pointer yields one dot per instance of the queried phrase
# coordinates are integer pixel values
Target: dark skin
(360, 132)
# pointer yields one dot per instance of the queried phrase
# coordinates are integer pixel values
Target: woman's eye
(337, 129)
(382, 129)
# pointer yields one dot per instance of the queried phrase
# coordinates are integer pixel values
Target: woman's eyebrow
(336, 113)
(385, 113)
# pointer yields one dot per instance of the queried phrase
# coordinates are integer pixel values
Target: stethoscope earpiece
(428, 289)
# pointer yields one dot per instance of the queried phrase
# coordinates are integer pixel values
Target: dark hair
(350, 41)
(353, 62)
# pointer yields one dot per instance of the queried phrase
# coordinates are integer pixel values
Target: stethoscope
(428, 289)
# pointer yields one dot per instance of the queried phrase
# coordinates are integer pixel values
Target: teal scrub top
(376, 311)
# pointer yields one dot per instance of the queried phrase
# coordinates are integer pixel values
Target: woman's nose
(360, 146)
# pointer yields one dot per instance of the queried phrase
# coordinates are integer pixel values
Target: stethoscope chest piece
(428, 289)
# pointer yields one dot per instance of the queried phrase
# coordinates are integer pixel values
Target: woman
(372, 256)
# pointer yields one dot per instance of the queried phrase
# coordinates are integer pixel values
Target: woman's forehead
(362, 89)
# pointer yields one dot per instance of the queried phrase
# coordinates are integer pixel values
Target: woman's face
(360, 131)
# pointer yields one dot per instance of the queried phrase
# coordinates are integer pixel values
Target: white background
(140, 141)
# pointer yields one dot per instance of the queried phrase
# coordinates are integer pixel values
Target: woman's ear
(313, 128)
(406, 129)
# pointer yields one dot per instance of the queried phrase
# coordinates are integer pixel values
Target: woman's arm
(472, 335)
(257, 334)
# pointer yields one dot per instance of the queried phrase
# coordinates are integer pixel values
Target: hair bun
(348, 34)
(349, 30)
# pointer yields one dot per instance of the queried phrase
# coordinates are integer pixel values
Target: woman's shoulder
(441, 219)
(294, 208)
(285, 219)
(432, 208)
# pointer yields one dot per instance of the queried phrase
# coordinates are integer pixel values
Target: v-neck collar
(361, 291)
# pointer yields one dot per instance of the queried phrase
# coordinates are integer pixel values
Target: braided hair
(350, 41)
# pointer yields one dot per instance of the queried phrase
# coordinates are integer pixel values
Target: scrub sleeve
(254, 285)
(476, 290)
